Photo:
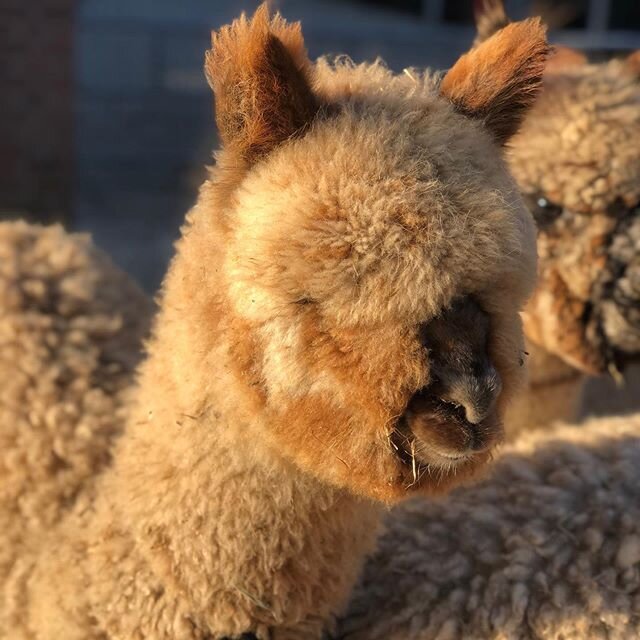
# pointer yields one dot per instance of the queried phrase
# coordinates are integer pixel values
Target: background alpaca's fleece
(71, 331)
(577, 163)
(577, 154)
(547, 547)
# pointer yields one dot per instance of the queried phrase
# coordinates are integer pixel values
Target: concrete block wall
(144, 124)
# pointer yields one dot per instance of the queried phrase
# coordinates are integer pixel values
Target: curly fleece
(584, 313)
(71, 329)
(474, 566)
(547, 548)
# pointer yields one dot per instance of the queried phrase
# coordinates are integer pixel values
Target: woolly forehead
(579, 145)
(371, 201)
(377, 217)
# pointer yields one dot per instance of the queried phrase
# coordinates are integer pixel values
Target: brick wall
(36, 123)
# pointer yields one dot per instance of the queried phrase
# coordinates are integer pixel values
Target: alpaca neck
(552, 394)
(240, 535)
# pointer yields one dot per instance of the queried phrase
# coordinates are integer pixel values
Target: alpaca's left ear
(261, 79)
(497, 81)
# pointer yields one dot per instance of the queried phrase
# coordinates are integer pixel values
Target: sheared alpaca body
(576, 160)
(546, 548)
(287, 394)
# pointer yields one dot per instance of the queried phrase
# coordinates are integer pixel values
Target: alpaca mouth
(438, 437)
(433, 457)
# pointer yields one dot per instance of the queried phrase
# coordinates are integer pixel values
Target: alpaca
(577, 163)
(71, 326)
(547, 547)
(287, 394)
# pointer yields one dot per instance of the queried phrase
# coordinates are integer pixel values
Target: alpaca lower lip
(451, 456)
(441, 458)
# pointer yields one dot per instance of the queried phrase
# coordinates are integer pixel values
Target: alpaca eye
(543, 210)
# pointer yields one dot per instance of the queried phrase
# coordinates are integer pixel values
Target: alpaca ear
(490, 17)
(260, 75)
(497, 81)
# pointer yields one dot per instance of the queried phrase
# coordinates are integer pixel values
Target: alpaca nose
(476, 393)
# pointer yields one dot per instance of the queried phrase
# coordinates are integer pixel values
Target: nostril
(477, 412)
(474, 396)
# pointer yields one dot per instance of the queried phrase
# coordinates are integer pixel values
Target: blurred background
(107, 119)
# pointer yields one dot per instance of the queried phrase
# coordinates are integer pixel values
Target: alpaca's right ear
(260, 75)
(497, 81)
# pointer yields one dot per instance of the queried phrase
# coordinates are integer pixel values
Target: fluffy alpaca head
(577, 161)
(351, 209)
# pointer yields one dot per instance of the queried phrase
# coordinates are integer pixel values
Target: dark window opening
(625, 14)
(458, 11)
(413, 7)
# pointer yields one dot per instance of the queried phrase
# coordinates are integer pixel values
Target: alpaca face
(376, 254)
(577, 161)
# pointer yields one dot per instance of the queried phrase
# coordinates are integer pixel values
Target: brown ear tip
(258, 23)
(531, 35)
(530, 28)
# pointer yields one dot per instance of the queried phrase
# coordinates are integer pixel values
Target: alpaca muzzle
(457, 421)
(448, 426)
(473, 395)
(454, 417)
